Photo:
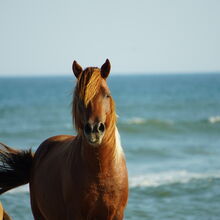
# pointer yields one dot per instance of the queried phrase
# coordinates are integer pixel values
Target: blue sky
(158, 36)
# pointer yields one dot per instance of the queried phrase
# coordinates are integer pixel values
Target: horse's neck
(104, 158)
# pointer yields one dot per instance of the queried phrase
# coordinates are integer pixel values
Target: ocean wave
(170, 177)
(139, 121)
(21, 189)
(136, 120)
(68, 125)
(214, 119)
(168, 122)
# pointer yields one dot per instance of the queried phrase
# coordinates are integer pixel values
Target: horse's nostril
(88, 128)
(101, 127)
(97, 128)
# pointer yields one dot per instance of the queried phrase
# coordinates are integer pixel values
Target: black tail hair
(15, 167)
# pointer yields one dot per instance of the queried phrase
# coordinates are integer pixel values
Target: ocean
(170, 131)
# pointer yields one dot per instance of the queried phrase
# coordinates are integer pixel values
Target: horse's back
(51, 144)
(49, 152)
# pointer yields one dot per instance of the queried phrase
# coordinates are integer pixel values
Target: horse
(1, 211)
(82, 177)
(3, 214)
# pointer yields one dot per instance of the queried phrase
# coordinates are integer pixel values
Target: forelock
(89, 84)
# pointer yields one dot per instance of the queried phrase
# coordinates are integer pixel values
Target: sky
(43, 37)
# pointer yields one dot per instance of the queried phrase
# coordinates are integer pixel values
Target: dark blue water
(170, 131)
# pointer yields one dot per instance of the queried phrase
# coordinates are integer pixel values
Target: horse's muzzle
(94, 132)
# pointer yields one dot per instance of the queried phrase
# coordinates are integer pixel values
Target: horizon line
(16, 75)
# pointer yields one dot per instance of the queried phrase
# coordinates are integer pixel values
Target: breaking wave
(214, 119)
(170, 177)
(168, 122)
(139, 120)
(21, 189)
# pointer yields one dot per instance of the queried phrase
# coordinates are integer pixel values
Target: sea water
(170, 132)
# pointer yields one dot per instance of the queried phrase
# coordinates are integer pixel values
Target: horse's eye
(107, 95)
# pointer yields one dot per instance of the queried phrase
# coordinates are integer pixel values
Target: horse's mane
(88, 84)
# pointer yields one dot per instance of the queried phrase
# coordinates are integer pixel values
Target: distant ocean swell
(144, 121)
(139, 124)
(140, 121)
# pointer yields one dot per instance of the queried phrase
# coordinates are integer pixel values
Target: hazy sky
(42, 37)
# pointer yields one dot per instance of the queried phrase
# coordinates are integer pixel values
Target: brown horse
(3, 214)
(76, 177)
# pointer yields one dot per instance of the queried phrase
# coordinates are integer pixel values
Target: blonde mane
(88, 84)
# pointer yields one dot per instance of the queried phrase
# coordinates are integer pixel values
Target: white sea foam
(136, 120)
(169, 177)
(139, 120)
(21, 189)
(214, 119)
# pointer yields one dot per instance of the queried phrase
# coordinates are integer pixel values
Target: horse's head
(93, 106)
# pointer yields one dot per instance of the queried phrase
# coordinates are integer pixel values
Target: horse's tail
(15, 167)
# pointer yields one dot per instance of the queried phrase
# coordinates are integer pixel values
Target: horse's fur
(69, 177)
(3, 214)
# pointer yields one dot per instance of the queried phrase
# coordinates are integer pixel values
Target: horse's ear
(77, 69)
(105, 69)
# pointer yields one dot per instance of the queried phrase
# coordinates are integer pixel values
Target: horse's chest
(95, 197)
(102, 192)
(100, 200)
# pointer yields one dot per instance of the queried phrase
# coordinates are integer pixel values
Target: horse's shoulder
(49, 144)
